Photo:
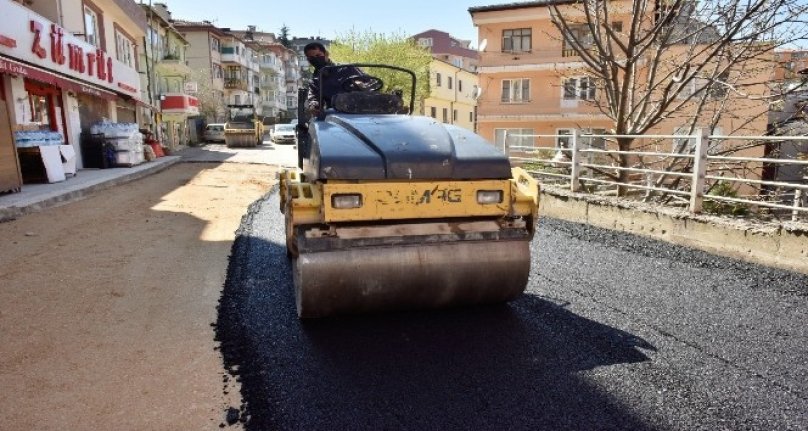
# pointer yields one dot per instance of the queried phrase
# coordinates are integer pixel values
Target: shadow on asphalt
(510, 366)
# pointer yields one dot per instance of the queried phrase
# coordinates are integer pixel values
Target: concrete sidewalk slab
(36, 197)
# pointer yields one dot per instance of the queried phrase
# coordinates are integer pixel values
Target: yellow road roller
(392, 211)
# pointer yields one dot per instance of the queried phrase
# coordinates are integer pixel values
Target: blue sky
(329, 19)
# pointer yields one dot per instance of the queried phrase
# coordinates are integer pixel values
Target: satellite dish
(476, 92)
(483, 44)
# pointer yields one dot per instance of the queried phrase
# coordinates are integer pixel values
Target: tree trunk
(623, 144)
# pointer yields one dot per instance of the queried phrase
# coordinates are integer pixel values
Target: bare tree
(211, 104)
(705, 59)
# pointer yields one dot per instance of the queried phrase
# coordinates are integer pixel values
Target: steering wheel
(362, 83)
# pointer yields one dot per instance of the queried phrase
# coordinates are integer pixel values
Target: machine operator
(333, 79)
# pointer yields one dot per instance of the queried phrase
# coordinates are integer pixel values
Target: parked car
(214, 132)
(284, 134)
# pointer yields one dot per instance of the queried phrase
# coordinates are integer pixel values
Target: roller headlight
(488, 197)
(348, 201)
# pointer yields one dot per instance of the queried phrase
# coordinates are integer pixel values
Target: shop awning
(43, 75)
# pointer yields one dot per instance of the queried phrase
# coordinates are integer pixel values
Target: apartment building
(168, 77)
(453, 79)
(240, 67)
(273, 83)
(289, 82)
(279, 75)
(204, 57)
(451, 50)
(65, 65)
(532, 82)
(452, 95)
(791, 80)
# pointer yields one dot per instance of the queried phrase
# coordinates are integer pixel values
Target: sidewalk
(36, 197)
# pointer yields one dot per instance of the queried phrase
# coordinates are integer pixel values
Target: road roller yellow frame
(309, 203)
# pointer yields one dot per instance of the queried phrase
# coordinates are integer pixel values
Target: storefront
(55, 87)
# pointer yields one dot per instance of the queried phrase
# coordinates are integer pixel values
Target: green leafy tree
(283, 37)
(395, 50)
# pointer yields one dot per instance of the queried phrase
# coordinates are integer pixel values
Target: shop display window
(44, 107)
(41, 107)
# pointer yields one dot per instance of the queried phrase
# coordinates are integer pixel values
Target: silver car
(284, 134)
(214, 133)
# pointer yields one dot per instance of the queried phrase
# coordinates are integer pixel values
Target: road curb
(771, 244)
(63, 197)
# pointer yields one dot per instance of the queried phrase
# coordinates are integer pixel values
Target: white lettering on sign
(8, 67)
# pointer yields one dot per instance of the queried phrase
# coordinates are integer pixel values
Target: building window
(617, 26)
(92, 29)
(457, 62)
(437, 79)
(506, 138)
(217, 72)
(471, 117)
(449, 80)
(687, 90)
(717, 88)
(433, 112)
(563, 138)
(581, 88)
(683, 145)
(156, 44)
(124, 49)
(515, 90)
(459, 85)
(237, 99)
(516, 40)
(40, 107)
(454, 115)
(215, 44)
(445, 115)
(579, 33)
(688, 144)
(597, 141)
(425, 41)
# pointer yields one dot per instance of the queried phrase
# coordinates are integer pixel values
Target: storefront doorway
(126, 112)
(91, 110)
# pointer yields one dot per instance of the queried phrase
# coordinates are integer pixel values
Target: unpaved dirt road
(106, 304)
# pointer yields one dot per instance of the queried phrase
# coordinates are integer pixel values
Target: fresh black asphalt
(614, 332)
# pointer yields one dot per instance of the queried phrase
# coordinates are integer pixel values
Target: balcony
(229, 56)
(172, 66)
(235, 84)
(178, 103)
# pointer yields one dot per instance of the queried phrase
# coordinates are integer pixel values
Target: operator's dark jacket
(333, 79)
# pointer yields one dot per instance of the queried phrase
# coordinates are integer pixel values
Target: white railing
(717, 174)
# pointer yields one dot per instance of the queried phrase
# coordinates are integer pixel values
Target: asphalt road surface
(614, 332)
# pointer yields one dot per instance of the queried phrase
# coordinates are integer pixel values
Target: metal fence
(725, 175)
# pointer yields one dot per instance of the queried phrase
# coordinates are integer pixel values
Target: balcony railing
(235, 84)
(569, 52)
